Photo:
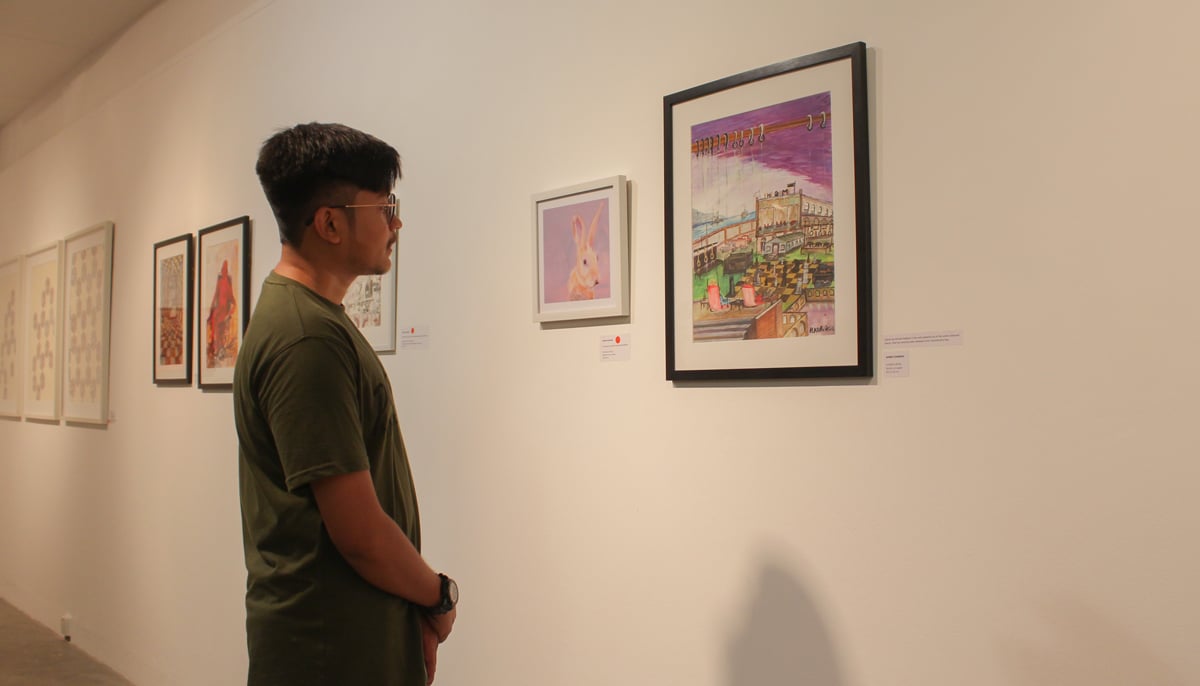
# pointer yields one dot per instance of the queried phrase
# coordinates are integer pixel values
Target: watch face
(452, 591)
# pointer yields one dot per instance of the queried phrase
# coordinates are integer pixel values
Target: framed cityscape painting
(173, 274)
(223, 260)
(370, 302)
(768, 232)
(87, 314)
(41, 284)
(581, 251)
(11, 304)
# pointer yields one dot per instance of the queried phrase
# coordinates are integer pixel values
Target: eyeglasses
(391, 207)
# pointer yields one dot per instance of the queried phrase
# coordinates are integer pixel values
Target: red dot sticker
(618, 341)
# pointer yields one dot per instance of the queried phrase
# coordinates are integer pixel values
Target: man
(337, 591)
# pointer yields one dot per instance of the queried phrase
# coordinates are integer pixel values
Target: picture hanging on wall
(581, 251)
(222, 307)
(370, 303)
(87, 314)
(173, 273)
(41, 285)
(768, 260)
(11, 303)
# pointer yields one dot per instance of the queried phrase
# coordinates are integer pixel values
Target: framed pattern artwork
(370, 302)
(768, 233)
(87, 314)
(11, 365)
(581, 251)
(222, 308)
(41, 285)
(173, 274)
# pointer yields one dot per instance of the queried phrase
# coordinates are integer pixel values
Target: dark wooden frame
(863, 348)
(244, 295)
(189, 287)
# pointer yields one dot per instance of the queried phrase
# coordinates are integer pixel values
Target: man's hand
(429, 646)
(442, 624)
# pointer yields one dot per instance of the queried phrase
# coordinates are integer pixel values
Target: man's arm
(375, 546)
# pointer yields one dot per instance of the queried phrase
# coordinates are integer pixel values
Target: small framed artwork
(768, 232)
(222, 307)
(581, 251)
(370, 303)
(173, 273)
(87, 314)
(11, 304)
(41, 284)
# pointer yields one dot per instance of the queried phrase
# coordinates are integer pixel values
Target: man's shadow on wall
(784, 640)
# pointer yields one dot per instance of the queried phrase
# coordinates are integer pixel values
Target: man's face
(373, 227)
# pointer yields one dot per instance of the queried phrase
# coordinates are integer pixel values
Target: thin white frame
(382, 337)
(32, 408)
(614, 190)
(81, 359)
(12, 343)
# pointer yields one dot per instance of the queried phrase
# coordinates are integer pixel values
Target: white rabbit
(585, 276)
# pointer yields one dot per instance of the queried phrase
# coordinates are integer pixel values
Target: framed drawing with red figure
(223, 295)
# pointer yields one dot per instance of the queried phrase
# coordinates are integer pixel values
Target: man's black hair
(315, 165)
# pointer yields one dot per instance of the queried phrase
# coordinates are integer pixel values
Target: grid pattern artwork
(10, 328)
(43, 331)
(84, 327)
(8, 344)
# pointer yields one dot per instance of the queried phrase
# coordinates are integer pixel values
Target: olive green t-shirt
(312, 400)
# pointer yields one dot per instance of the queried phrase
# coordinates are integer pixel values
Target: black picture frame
(218, 281)
(759, 294)
(171, 347)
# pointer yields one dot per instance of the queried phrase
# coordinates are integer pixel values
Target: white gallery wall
(1021, 509)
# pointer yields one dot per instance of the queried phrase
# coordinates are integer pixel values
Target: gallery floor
(32, 654)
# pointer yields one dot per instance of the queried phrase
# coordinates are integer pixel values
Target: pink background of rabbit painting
(558, 248)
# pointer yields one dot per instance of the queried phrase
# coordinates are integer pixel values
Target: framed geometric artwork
(768, 223)
(581, 251)
(41, 285)
(10, 338)
(370, 302)
(87, 313)
(222, 306)
(173, 273)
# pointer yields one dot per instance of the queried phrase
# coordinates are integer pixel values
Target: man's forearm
(371, 541)
(389, 561)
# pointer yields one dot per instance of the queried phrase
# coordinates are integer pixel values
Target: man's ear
(328, 226)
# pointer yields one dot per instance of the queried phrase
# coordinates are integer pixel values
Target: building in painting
(788, 220)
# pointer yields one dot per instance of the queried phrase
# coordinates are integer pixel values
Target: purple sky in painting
(726, 182)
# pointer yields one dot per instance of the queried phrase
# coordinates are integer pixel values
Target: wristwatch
(449, 597)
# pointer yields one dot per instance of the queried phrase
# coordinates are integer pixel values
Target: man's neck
(326, 283)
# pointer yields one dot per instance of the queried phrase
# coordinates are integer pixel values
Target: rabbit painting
(582, 282)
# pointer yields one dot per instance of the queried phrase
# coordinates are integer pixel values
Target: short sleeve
(310, 398)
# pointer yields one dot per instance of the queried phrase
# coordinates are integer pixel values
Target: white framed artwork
(41, 286)
(11, 305)
(581, 251)
(370, 302)
(87, 313)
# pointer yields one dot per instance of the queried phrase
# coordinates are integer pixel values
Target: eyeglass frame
(393, 203)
